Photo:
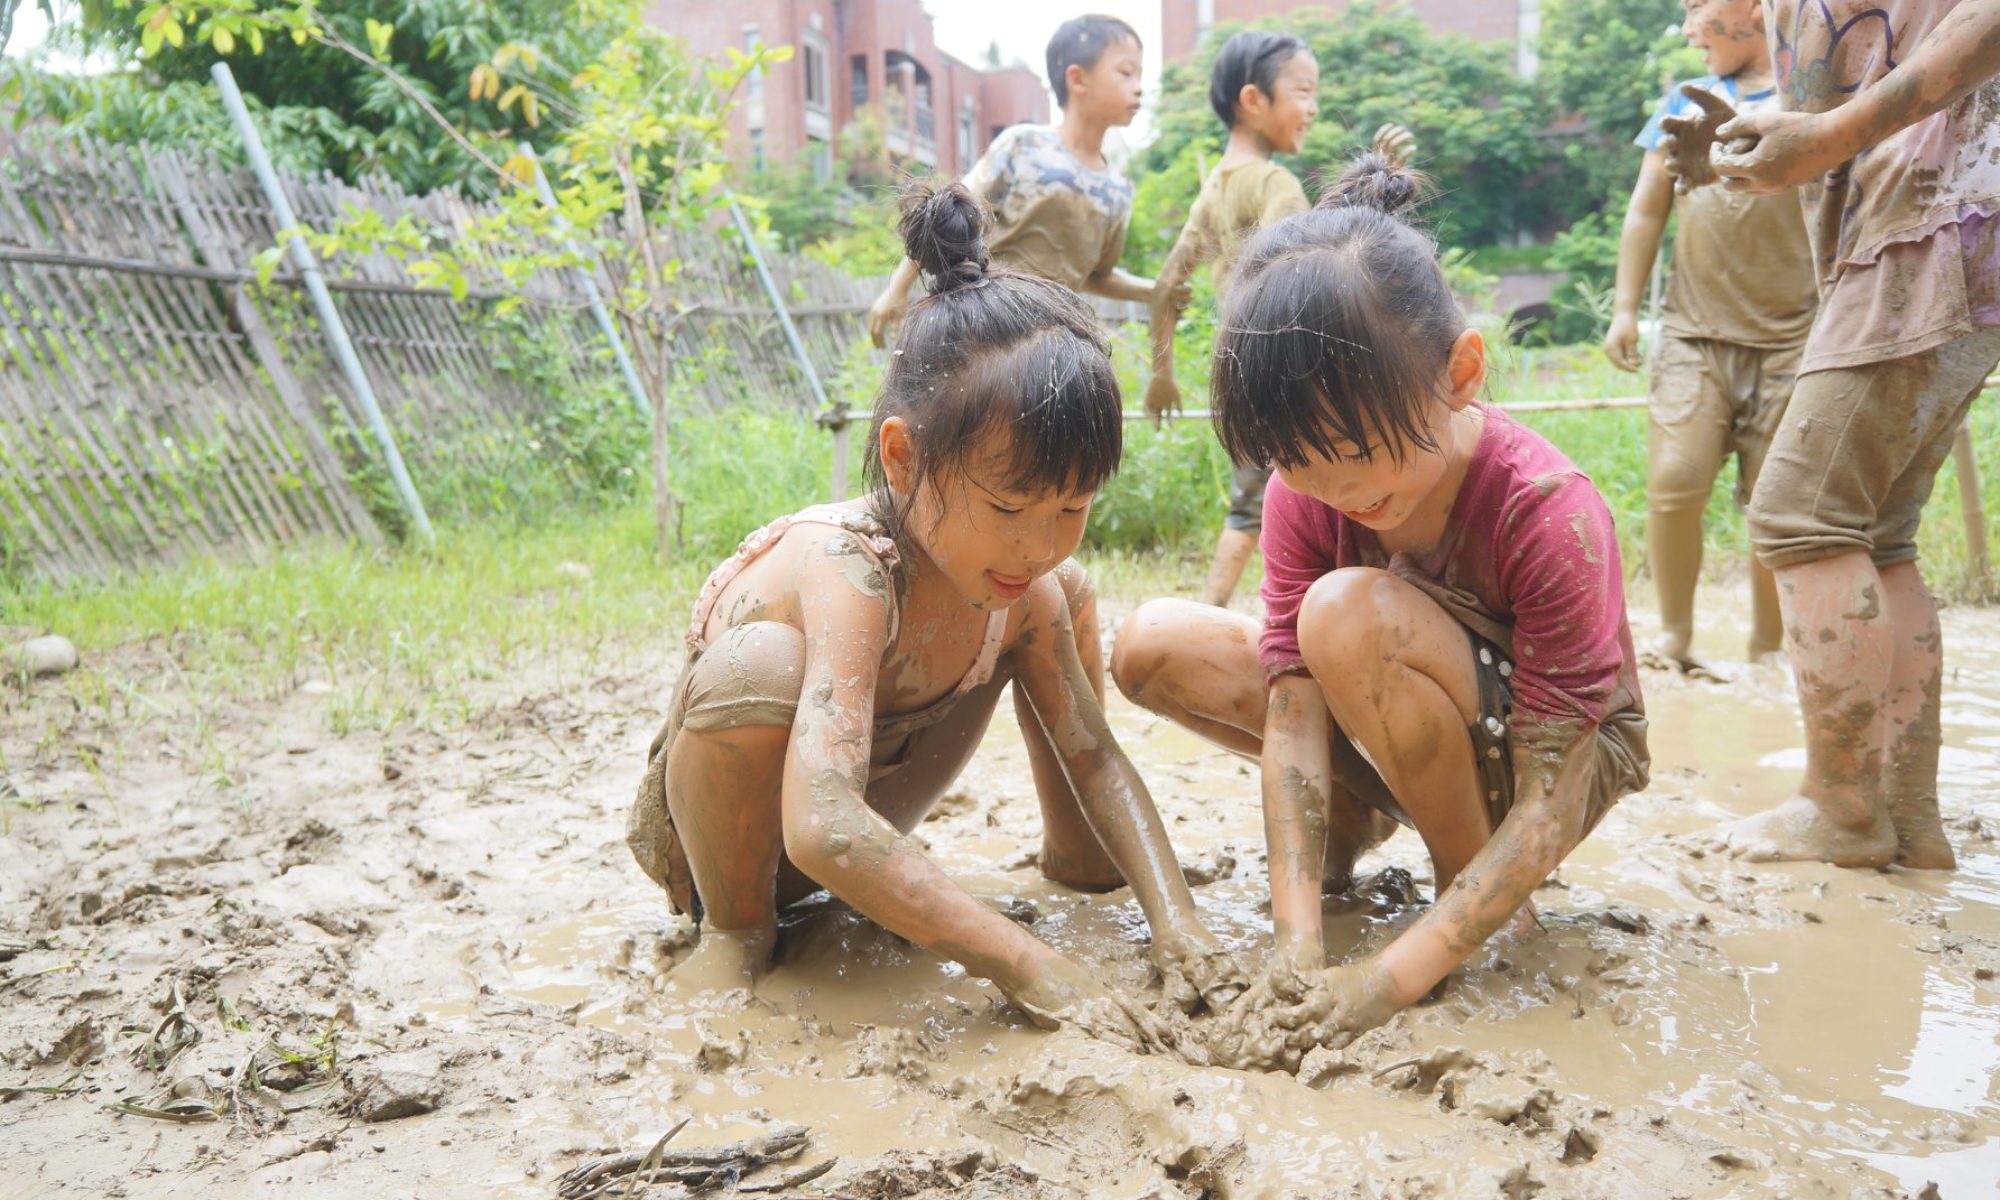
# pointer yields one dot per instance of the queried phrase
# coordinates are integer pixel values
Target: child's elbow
(815, 842)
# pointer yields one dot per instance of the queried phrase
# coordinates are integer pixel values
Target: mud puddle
(445, 934)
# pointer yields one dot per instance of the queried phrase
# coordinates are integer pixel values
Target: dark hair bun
(1372, 181)
(943, 232)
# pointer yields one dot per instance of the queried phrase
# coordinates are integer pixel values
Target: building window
(967, 123)
(858, 80)
(822, 158)
(757, 149)
(753, 84)
(812, 54)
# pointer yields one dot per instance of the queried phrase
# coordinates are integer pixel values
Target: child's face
(1729, 33)
(1367, 484)
(989, 540)
(1283, 117)
(1108, 90)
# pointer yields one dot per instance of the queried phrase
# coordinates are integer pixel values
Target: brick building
(938, 113)
(1515, 22)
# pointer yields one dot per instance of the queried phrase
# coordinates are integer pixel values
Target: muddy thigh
(1196, 665)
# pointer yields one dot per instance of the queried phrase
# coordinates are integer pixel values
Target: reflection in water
(1957, 1055)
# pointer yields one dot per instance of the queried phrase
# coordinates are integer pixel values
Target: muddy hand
(1163, 397)
(1063, 995)
(1199, 974)
(1340, 1004)
(1396, 144)
(1689, 146)
(883, 316)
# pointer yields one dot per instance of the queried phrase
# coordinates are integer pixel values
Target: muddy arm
(1297, 773)
(1120, 284)
(1638, 245)
(1791, 148)
(1114, 799)
(1544, 825)
(830, 832)
(890, 306)
(1162, 392)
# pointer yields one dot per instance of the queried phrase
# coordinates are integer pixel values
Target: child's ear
(1465, 368)
(1250, 101)
(1077, 77)
(898, 450)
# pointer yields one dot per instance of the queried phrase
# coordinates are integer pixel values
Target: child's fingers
(1708, 101)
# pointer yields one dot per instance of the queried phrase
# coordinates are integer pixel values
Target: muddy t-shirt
(1742, 268)
(1903, 234)
(1529, 561)
(1052, 215)
(1235, 202)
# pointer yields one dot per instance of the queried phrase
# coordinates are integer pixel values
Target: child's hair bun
(943, 232)
(1372, 181)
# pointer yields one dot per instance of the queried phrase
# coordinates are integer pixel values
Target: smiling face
(988, 539)
(1282, 118)
(1729, 33)
(1108, 90)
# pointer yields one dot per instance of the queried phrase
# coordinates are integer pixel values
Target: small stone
(50, 654)
(576, 572)
(316, 687)
(395, 1086)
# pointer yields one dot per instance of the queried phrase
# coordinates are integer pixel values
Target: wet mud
(427, 965)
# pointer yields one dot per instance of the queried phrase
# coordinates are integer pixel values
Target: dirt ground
(425, 965)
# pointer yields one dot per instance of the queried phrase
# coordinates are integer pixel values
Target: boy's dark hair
(992, 350)
(1337, 328)
(1253, 56)
(1080, 42)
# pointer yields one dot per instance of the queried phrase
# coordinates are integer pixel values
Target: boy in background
(1059, 209)
(1740, 301)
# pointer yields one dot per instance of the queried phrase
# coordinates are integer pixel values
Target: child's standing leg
(1862, 628)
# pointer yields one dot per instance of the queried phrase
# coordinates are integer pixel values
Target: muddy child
(844, 663)
(1890, 125)
(1444, 642)
(1740, 301)
(1264, 88)
(1059, 209)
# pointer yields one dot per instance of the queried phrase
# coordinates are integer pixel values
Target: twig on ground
(696, 1170)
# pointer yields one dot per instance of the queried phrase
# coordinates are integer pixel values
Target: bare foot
(1663, 657)
(723, 961)
(1921, 843)
(1796, 831)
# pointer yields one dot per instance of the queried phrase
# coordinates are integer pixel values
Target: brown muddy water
(444, 932)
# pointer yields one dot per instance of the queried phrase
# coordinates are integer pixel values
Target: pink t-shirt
(1529, 562)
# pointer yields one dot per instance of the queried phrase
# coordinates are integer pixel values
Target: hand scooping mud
(1199, 975)
(1065, 996)
(1689, 147)
(1396, 144)
(1285, 1014)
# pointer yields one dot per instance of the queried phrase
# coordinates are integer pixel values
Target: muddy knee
(1341, 621)
(1142, 647)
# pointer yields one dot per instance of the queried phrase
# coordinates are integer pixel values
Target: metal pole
(329, 316)
(590, 292)
(832, 415)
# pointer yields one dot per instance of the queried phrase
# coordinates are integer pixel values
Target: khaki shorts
(1246, 498)
(1707, 399)
(1855, 457)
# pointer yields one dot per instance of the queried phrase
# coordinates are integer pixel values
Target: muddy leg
(1767, 621)
(1071, 854)
(1232, 554)
(1398, 675)
(723, 788)
(1841, 641)
(1197, 666)
(1686, 439)
(1910, 779)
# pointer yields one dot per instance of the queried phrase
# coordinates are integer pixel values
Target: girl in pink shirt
(1444, 642)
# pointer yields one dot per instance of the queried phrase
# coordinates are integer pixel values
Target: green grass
(409, 638)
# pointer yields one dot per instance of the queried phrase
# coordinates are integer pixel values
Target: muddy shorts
(1855, 457)
(1246, 498)
(1709, 398)
(1489, 744)
(748, 676)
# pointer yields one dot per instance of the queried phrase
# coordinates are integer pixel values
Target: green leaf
(379, 33)
(223, 40)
